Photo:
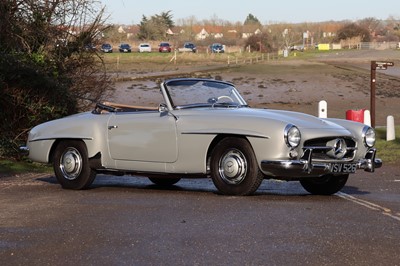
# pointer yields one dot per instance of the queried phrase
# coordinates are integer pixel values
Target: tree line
(272, 37)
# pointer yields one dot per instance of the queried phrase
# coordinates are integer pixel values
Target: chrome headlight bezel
(369, 136)
(292, 136)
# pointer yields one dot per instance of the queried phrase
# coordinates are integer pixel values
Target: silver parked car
(204, 128)
(144, 48)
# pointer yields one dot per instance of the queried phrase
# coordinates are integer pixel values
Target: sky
(283, 11)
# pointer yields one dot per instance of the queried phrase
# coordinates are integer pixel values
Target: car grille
(330, 149)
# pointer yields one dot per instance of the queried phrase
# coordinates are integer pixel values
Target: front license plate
(343, 168)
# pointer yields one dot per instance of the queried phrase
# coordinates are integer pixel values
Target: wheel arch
(91, 153)
(220, 137)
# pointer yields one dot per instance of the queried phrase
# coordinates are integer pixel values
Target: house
(249, 31)
(203, 34)
(121, 29)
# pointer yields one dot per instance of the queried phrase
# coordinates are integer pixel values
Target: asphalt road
(127, 221)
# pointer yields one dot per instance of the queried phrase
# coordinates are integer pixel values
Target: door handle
(111, 127)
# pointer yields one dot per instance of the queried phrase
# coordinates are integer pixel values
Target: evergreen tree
(252, 20)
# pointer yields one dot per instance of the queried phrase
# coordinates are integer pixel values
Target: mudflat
(342, 79)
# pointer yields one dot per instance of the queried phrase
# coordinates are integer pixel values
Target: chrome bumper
(24, 150)
(306, 167)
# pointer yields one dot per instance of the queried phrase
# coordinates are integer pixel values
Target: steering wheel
(225, 96)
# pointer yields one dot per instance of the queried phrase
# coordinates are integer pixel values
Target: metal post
(374, 66)
(373, 88)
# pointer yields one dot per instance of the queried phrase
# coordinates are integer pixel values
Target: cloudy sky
(290, 11)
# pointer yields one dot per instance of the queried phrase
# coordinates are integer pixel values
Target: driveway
(128, 221)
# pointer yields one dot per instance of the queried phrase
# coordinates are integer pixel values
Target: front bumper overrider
(305, 166)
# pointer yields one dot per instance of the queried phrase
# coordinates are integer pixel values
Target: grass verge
(11, 167)
(388, 151)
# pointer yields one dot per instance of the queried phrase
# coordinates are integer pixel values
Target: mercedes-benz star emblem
(339, 148)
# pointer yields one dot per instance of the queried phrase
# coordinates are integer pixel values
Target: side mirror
(162, 108)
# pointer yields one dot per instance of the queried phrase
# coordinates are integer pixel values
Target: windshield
(192, 93)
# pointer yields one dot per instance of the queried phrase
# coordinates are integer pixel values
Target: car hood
(256, 122)
(301, 120)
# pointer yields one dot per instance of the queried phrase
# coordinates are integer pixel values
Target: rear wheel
(234, 168)
(71, 165)
(326, 185)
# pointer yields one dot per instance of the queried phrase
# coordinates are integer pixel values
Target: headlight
(292, 136)
(369, 136)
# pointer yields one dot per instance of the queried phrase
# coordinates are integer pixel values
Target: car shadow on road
(205, 185)
(354, 191)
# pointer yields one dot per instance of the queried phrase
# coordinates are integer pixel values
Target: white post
(323, 109)
(367, 117)
(390, 132)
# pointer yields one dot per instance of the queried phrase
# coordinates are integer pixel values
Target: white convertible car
(204, 128)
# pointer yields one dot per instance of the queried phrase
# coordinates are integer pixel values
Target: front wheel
(326, 185)
(234, 168)
(71, 165)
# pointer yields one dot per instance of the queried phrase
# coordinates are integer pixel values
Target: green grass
(11, 167)
(388, 151)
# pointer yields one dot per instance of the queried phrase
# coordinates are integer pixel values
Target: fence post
(175, 58)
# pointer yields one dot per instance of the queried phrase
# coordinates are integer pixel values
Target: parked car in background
(299, 48)
(125, 48)
(188, 47)
(217, 48)
(204, 128)
(164, 47)
(106, 48)
(144, 48)
(90, 47)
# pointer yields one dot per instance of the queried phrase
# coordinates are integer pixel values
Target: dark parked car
(90, 47)
(188, 47)
(106, 48)
(125, 48)
(164, 47)
(217, 48)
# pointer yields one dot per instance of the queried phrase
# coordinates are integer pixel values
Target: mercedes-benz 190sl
(204, 128)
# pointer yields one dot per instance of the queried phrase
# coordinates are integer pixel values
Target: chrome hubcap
(71, 163)
(233, 167)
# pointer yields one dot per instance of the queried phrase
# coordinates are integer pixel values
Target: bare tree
(48, 66)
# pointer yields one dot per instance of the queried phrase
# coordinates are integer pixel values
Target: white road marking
(372, 206)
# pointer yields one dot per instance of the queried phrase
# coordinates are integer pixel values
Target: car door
(143, 136)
